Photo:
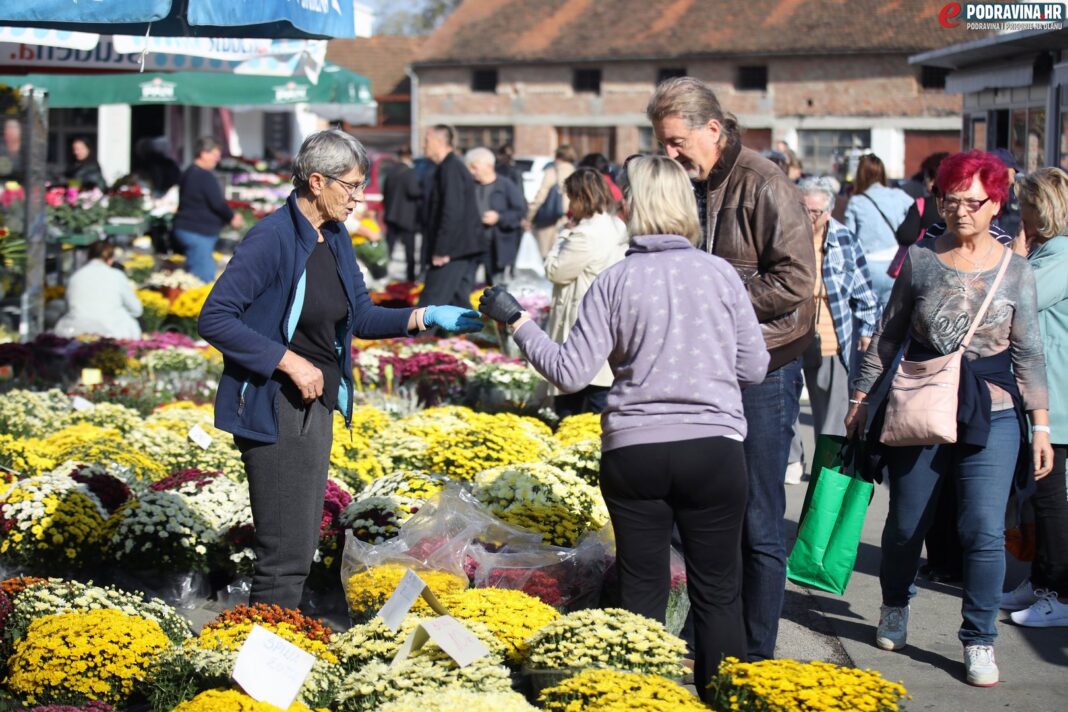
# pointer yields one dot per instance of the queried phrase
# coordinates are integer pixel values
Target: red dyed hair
(957, 170)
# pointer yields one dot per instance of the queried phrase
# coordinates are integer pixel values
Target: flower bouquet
(176, 524)
(581, 458)
(606, 638)
(368, 589)
(50, 523)
(585, 426)
(231, 701)
(508, 386)
(110, 652)
(459, 700)
(373, 641)
(512, 616)
(794, 686)
(486, 441)
(614, 690)
(544, 499)
(377, 514)
(37, 598)
(193, 678)
(428, 671)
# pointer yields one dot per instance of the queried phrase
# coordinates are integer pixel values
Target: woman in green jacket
(1042, 600)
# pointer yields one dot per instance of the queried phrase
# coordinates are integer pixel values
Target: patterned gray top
(934, 304)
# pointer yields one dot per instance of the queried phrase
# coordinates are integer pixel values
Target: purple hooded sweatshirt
(679, 333)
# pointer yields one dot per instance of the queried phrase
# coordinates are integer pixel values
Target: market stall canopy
(272, 19)
(337, 87)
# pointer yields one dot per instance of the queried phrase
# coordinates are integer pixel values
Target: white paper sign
(198, 435)
(81, 404)
(458, 642)
(270, 668)
(410, 588)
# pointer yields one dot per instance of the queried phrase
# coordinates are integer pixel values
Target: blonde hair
(1046, 190)
(660, 199)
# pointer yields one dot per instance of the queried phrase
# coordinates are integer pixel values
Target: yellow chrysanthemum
(95, 655)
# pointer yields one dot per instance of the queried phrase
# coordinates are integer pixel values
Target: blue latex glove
(450, 318)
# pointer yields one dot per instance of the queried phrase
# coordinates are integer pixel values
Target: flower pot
(538, 680)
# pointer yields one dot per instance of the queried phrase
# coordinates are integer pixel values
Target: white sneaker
(979, 665)
(893, 627)
(1019, 598)
(794, 472)
(1046, 612)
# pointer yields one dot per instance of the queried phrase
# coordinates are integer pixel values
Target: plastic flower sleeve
(567, 579)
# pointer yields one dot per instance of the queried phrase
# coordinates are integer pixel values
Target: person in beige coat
(597, 241)
(563, 166)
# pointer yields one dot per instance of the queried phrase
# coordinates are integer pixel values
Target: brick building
(826, 76)
(384, 61)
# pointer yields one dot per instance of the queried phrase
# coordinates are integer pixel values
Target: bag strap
(989, 298)
(879, 210)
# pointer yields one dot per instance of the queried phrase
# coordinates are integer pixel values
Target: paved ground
(818, 625)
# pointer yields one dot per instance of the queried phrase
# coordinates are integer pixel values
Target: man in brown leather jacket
(754, 218)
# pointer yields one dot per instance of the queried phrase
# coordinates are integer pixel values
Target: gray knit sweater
(679, 333)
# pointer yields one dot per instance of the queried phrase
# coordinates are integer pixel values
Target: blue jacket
(1050, 263)
(254, 308)
(876, 238)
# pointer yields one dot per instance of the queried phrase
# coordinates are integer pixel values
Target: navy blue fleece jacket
(254, 308)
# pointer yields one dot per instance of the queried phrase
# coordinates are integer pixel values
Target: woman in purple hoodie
(679, 333)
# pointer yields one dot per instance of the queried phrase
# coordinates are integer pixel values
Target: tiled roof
(575, 30)
(381, 59)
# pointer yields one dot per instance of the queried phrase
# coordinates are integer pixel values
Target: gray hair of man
(819, 186)
(331, 153)
(694, 102)
(480, 155)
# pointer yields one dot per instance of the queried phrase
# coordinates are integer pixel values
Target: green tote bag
(831, 520)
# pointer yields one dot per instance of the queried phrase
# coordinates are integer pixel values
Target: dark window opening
(587, 80)
(484, 80)
(665, 73)
(933, 77)
(752, 78)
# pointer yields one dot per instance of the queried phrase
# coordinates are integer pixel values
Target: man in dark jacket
(502, 208)
(754, 218)
(401, 196)
(454, 228)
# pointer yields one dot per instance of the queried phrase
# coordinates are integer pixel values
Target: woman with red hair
(942, 286)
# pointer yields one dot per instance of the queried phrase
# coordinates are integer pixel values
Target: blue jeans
(771, 409)
(199, 260)
(984, 478)
(881, 282)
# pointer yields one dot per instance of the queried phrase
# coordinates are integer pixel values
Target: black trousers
(591, 399)
(396, 234)
(451, 283)
(1050, 567)
(701, 487)
(286, 486)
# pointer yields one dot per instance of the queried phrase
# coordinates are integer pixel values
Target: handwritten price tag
(458, 642)
(270, 668)
(404, 596)
(198, 435)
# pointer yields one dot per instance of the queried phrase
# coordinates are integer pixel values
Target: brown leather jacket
(757, 222)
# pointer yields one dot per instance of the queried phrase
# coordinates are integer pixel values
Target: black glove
(499, 305)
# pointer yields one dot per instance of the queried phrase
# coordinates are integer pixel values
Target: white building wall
(889, 145)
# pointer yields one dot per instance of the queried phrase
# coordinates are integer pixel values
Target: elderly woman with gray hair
(283, 314)
(847, 309)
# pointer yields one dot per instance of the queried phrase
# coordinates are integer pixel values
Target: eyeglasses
(354, 188)
(815, 214)
(950, 204)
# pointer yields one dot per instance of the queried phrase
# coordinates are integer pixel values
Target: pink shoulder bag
(921, 408)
